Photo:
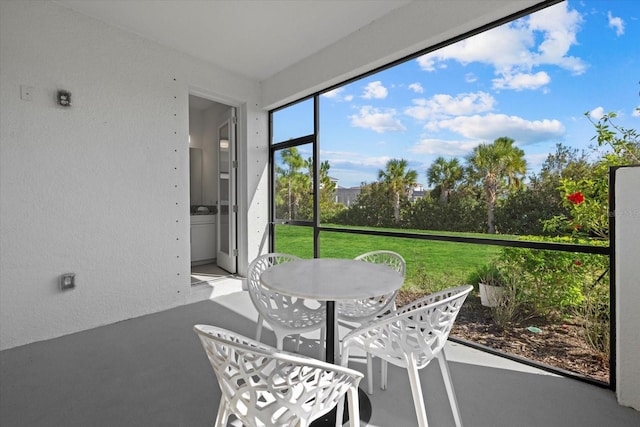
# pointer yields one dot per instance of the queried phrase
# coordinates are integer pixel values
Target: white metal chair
(411, 337)
(363, 310)
(262, 386)
(286, 315)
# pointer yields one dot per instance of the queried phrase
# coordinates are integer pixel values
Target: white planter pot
(490, 295)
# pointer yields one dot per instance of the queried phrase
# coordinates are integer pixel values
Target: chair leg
(223, 413)
(259, 327)
(297, 343)
(279, 341)
(446, 376)
(354, 409)
(344, 361)
(323, 334)
(369, 373)
(336, 337)
(416, 391)
(383, 374)
(339, 412)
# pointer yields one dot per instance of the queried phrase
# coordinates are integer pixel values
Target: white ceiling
(255, 38)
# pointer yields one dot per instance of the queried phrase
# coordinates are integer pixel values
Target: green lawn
(430, 264)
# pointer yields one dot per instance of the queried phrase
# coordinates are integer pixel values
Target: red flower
(577, 262)
(576, 198)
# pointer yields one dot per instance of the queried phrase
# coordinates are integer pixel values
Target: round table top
(331, 279)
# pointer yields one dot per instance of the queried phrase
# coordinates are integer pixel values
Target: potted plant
(491, 285)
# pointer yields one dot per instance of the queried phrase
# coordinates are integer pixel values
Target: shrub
(552, 282)
(489, 274)
(596, 316)
(428, 283)
(462, 213)
(509, 304)
(525, 210)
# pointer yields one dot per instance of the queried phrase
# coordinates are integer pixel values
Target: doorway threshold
(208, 273)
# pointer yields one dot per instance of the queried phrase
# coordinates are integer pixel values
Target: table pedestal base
(329, 419)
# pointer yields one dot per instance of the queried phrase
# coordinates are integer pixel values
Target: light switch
(26, 93)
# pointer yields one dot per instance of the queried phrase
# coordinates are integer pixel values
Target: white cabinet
(203, 237)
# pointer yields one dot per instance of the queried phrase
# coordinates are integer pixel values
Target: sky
(531, 80)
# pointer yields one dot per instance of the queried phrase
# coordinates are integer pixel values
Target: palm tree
(291, 183)
(327, 188)
(399, 181)
(493, 163)
(445, 174)
(515, 166)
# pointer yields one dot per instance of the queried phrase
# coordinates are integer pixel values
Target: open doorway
(212, 172)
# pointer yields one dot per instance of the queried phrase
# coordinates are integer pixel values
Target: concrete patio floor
(152, 371)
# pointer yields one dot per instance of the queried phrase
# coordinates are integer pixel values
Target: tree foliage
(294, 188)
(445, 175)
(399, 181)
(587, 197)
(371, 208)
(499, 165)
(525, 210)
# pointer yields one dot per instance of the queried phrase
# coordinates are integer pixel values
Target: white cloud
(416, 87)
(522, 81)
(501, 47)
(442, 147)
(375, 90)
(513, 49)
(636, 111)
(359, 161)
(443, 105)
(376, 120)
(352, 169)
(337, 95)
(535, 160)
(597, 113)
(352, 159)
(470, 78)
(427, 62)
(492, 126)
(617, 23)
(559, 27)
(333, 93)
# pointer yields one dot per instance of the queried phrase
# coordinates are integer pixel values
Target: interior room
(205, 116)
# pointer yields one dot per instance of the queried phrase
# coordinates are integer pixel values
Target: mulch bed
(557, 345)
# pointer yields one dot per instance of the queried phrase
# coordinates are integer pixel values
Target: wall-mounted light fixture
(67, 281)
(64, 98)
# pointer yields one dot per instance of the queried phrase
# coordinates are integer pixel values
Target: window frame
(318, 228)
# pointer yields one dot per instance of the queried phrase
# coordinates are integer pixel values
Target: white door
(227, 207)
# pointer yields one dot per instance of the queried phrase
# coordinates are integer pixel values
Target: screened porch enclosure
(99, 189)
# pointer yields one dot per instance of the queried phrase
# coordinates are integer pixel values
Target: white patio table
(331, 280)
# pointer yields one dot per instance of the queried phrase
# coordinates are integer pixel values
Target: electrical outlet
(67, 281)
(64, 98)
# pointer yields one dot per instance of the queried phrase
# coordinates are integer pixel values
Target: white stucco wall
(102, 188)
(627, 219)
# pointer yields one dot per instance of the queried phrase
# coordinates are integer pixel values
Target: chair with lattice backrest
(262, 386)
(286, 315)
(362, 310)
(411, 337)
